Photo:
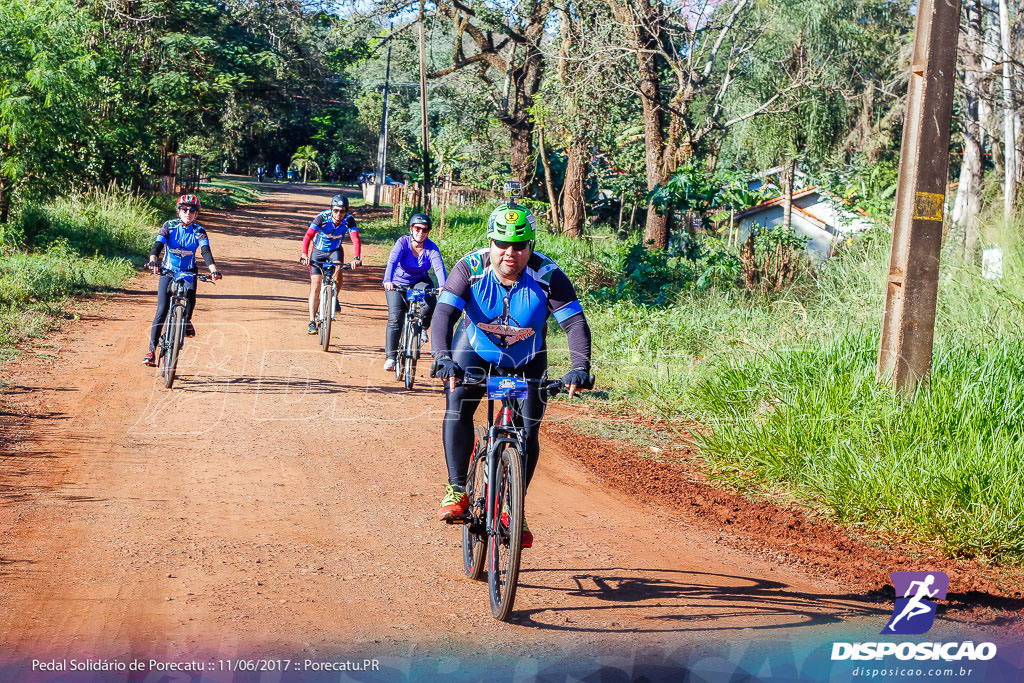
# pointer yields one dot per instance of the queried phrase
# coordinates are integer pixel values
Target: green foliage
(709, 195)
(46, 82)
(111, 223)
(75, 246)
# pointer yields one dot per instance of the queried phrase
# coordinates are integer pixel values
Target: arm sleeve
(306, 239)
(204, 248)
(568, 312)
(450, 305)
(161, 240)
(357, 246)
(438, 265)
(396, 253)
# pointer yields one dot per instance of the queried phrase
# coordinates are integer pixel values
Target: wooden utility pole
(908, 325)
(423, 113)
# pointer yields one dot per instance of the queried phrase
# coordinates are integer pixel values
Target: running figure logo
(914, 613)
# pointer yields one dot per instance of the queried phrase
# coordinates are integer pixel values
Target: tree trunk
(1009, 134)
(646, 39)
(788, 176)
(521, 133)
(548, 182)
(572, 200)
(968, 196)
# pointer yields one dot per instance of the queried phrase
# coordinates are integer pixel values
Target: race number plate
(497, 386)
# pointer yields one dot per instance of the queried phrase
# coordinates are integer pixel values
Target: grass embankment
(786, 384)
(50, 253)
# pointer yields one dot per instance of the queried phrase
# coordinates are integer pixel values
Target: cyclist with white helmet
(412, 259)
(326, 232)
(178, 240)
(504, 293)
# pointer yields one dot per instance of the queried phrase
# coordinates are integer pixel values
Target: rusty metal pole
(908, 325)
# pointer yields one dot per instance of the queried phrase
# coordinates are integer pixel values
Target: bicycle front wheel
(174, 332)
(474, 534)
(505, 545)
(326, 311)
(413, 342)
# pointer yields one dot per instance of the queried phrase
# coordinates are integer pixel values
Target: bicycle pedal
(458, 519)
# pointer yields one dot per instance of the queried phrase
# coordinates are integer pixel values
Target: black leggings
(397, 306)
(462, 404)
(163, 302)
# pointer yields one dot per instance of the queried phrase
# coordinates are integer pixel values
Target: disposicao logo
(914, 613)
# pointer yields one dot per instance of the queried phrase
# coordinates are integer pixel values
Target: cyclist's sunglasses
(516, 246)
(421, 226)
(340, 209)
(190, 209)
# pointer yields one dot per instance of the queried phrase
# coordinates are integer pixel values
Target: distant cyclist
(506, 292)
(411, 260)
(178, 239)
(326, 232)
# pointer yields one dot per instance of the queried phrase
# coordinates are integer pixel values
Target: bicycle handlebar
(171, 273)
(320, 266)
(426, 290)
(552, 387)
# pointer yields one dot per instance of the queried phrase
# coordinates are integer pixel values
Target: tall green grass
(65, 248)
(787, 385)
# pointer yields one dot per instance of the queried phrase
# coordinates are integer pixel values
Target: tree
(304, 160)
(46, 82)
(507, 52)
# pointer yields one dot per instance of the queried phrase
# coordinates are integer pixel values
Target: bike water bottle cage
(499, 388)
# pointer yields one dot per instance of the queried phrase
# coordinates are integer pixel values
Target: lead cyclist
(504, 293)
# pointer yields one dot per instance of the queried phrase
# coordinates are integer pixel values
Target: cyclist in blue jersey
(326, 232)
(178, 239)
(505, 293)
(411, 260)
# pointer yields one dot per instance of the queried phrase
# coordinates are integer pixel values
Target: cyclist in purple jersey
(178, 240)
(412, 258)
(326, 232)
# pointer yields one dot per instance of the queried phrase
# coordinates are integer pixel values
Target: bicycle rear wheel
(474, 534)
(326, 310)
(174, 331)
(402, 344)
(505, 545)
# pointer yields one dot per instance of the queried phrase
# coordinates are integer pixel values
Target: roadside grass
(787, 384)
(52, 252)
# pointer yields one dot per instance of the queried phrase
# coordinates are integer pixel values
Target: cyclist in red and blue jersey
(505, 293)
(179, 240)
(411, 260)
(326, 232)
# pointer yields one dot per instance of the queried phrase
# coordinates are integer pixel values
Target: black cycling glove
(445, 367)
(581, 377)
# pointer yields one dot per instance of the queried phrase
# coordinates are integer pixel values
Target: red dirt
(282, 499)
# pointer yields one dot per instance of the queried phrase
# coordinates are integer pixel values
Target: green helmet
(511, 223)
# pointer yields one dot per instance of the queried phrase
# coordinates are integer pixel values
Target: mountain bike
(410, 342)
(328, 299)
(496, 484)
(173, 334)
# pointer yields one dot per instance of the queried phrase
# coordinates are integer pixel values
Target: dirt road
(281, 499)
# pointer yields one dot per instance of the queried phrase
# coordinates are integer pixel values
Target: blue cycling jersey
(329, 234)
(181, 243)
(506, 325)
